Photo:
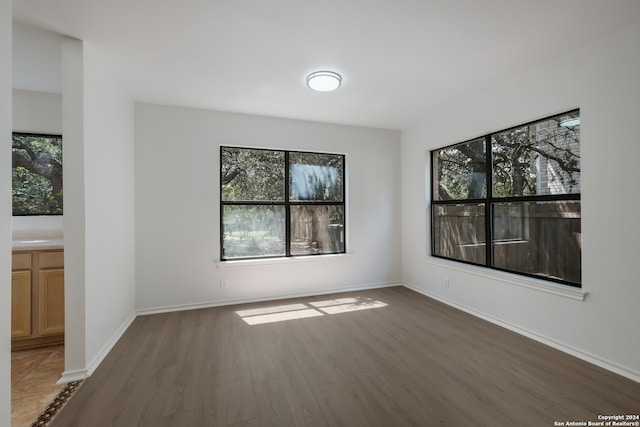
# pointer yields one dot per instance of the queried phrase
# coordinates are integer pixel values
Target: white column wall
(109, 206)
(99, 207)
(5, 210)
(74, 207)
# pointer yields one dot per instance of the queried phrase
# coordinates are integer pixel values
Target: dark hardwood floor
(400, 359)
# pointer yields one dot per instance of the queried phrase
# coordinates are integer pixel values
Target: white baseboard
(580, 354)
(109, 345)
(220, 303)
(69, 376)
(81, 374)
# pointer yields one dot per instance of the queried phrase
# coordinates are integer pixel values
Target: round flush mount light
(324, 81)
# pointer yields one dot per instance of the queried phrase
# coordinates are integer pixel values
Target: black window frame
(286, 203)
(38, 135)
(489, 201)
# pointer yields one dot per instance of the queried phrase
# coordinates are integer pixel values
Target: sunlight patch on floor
(345, 308)
(280, 317)
(280, 313)
(270, 310)
(336, 302)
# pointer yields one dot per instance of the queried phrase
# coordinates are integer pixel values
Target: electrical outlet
(446, 283)
(224, 284)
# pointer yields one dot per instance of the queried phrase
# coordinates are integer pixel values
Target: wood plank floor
(385, 357)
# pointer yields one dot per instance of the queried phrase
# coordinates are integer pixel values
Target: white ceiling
(399, 59)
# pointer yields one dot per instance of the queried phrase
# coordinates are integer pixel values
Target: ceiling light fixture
(324, 81)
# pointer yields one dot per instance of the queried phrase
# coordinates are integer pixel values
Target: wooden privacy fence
(542, 238)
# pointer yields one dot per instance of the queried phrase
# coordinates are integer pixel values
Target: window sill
(513, 279)
(283, 260)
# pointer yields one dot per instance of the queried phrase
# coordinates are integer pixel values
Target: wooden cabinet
(51, 302)
(37, 298)
(20, 304)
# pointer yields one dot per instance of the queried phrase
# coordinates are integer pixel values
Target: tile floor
(33, 382)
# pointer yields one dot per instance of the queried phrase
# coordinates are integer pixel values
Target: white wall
(5, 211)
(37, 63)
(37, 112)
(178, 216)
(109, 205)
(99, 208)
(74, 206)
(603, 82)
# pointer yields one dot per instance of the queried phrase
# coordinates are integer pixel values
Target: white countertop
(37, 239)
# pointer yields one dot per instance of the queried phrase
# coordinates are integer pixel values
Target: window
(277, 203)
(511, 200)
(37, 174)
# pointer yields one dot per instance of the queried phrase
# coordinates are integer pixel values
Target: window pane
(37, 174)
(544, 242)
(251, 175)
(508, 221)
(542, 158)
(460, 171)
(459, 232)
(317, 229)
(253, 231)
(316, 177)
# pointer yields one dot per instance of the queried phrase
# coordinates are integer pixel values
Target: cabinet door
(20, 304)
(51, 302)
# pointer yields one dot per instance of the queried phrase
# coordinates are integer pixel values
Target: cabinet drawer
(51, 259)
(21, 261)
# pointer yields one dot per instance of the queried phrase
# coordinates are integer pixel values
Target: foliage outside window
(37, 174)
(511, 200)
(277, 203)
